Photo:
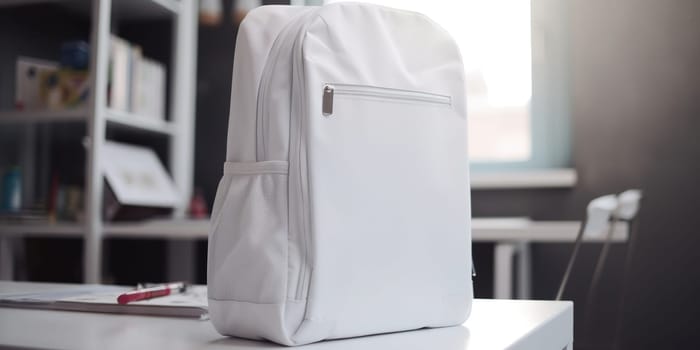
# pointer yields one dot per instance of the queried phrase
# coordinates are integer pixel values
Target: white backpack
(344, 207)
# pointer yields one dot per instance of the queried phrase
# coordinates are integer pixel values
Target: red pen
(152, 292)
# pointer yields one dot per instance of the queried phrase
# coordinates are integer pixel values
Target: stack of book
(42, 85)
(136, 83)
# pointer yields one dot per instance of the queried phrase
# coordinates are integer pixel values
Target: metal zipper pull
(327, 107)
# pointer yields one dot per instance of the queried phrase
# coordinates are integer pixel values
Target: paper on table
(92, 298)
(49, 297)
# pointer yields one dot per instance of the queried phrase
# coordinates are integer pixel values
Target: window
(514, 52)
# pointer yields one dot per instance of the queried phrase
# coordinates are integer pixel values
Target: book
(137, 84)
(148, 88)
(137, 176)
(119, 74)
(135, 57)
(103, 299)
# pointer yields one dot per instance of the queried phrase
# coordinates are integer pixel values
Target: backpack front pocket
(248, 234)
(390, 219)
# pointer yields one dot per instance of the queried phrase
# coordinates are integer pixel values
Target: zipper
(261, 112)
(302, 190)
(331, 90)
(299, 210)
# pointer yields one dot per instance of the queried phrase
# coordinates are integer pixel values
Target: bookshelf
(98, 118)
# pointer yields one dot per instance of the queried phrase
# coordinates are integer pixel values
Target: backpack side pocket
(248, 234)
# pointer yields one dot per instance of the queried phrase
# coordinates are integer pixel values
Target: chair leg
(503, 270)
(524, 264)
(570, 265)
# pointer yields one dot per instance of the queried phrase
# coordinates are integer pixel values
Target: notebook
(100, 298)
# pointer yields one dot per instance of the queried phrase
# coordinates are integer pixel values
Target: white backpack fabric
(344, 207)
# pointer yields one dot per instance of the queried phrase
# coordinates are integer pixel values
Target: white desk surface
(494, 324)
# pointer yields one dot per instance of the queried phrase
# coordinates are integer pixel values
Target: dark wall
(636, 117)
(214, 72)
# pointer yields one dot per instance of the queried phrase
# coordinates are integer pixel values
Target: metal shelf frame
(179, 128)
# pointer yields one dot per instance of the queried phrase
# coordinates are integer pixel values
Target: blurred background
(113, 119)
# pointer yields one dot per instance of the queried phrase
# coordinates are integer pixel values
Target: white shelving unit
(140, 122)
(11, 117)
(113, 117)
(98, 117)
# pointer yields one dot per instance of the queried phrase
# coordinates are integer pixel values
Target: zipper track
(298, 85)
(384, 93)
(295, 131)
(265, 80)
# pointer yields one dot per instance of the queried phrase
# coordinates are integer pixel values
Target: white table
(494, 324)
(512, 238)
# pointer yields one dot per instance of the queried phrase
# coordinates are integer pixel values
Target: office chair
(598, 214)
(601, 212)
